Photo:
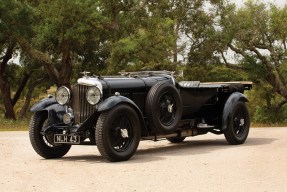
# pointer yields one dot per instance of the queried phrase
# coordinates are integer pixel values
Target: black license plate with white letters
(71, 139)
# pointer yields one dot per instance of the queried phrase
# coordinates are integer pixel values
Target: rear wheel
(118, 133)
(41, 143)
(238, 126)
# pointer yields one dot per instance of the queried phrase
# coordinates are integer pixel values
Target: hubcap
(239, 125)
(167, 109)
(121, 133)
(124, 133)
(241, 122)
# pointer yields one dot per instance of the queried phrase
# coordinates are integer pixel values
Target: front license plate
(71, 139)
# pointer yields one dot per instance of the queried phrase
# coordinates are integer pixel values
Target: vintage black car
(115, 113)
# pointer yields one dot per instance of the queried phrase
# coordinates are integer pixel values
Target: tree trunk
(4, 84)
(5, 91)
(66, 68)
(175, 48)
(20, 88)
(29, 95)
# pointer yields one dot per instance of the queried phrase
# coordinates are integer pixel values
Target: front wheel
(238, 125)
(118, 133)
(42, 144)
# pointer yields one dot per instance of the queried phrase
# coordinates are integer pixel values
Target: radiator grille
(82, 109)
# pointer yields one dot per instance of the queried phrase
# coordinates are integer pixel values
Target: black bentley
(116, 112)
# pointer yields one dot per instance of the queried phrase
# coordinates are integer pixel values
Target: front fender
(42, 104)
(229, 105)
(54, 110)
(115, 100)
(106, 105)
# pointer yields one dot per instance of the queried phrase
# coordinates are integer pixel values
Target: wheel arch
(229, 105)
(55, 111)
(43, 104)
(116, 100)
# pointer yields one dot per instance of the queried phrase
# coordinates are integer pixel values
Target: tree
(199, 25)
(4, 84)
(54, 33)
(257, 33)
(10, 14)
(140, 37)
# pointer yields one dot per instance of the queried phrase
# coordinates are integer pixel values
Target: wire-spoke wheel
(167, 109)
(121, 134)
(118, 133)
(163, 107)
(238, 125)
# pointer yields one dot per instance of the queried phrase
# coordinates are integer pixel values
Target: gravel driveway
(203, 163)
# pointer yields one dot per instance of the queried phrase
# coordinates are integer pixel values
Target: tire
(112, 143)
(163, 118)
(238, 125)
(176, 139)
(41, 143)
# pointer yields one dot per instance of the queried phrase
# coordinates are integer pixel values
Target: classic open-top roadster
(115, 113)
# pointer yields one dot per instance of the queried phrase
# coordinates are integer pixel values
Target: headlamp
(93, 95)
(63, 95)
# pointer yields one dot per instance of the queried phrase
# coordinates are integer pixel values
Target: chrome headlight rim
(61, 102)
(88, 96)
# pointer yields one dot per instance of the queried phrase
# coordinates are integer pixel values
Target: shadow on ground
(160, 152)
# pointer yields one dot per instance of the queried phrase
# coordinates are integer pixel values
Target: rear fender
(229, 105)
(54, 110)
(116, 100)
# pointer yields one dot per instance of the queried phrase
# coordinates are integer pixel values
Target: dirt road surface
(203, 163)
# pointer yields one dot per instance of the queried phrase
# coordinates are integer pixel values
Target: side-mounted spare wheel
(42, 144)
(238, 124)
(163, 107)
(118, 132)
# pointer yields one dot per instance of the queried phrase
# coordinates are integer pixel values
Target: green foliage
(57, 21)
(254, 70)
(278, 22)
(107, 36)
(209, 73)
(263, 106)
(147, 48)
(15, 18)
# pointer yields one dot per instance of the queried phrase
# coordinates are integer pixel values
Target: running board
(182, 133)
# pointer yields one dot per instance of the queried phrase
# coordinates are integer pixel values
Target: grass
(260, 125)
(10, 125)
